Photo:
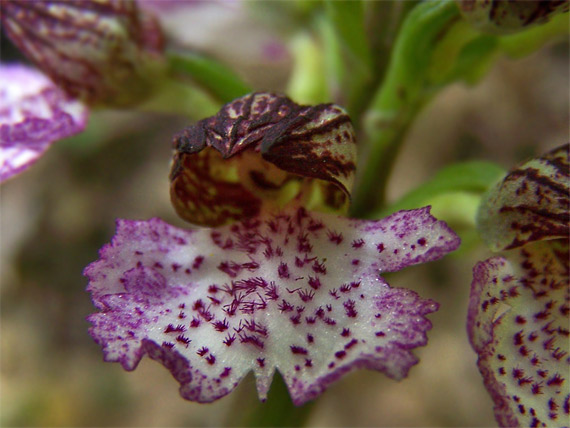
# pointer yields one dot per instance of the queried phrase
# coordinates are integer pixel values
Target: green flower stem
(218, 80)
(385, 19)
(306, 84)
(400, 98)
(357, 39)
(524, 43)
(278, 410)
(347, 22)
(435, 47)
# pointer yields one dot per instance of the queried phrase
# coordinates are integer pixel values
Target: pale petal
(34, 113)
(298, 292)
(518, 324)
(531, 203)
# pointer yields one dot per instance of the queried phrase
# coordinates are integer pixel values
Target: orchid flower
(281, 288)
(109, 56)
(105, 53)
(34, 113)
(519, 305)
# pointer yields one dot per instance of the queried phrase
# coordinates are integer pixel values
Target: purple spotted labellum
(262, 149)
(34, 113)
(287, 290)
(519, 308)
(105, 52)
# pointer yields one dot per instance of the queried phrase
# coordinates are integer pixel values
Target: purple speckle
(340, 354)
(298, 350)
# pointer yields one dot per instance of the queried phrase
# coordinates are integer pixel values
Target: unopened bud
(509, 16)
(105, 52)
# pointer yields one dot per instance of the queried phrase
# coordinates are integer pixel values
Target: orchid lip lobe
(278, 291)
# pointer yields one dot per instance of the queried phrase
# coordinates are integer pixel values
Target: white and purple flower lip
(292, 291)
(282, 288)
(519, 308)
(34, 113)
(518, 324)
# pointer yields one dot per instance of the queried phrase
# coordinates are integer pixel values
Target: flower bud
(509, 16)
(105, 52)
(530, 204)
(263, 149)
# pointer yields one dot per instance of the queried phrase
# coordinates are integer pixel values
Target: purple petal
(531, 203)
(298, 292)
(34, 113)
(518, 324)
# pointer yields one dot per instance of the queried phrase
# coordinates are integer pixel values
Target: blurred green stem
(357, 39)
(212, 76)
(278, 410)
(174, 97)
(399, 99)
(384, 21)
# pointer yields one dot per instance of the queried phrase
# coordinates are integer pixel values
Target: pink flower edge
(518, 325)
(296, 292)
(34, 113)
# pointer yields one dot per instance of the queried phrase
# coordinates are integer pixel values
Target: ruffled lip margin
(296, 292)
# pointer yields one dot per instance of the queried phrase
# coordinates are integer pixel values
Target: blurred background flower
(34, 113)
(231, 31)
